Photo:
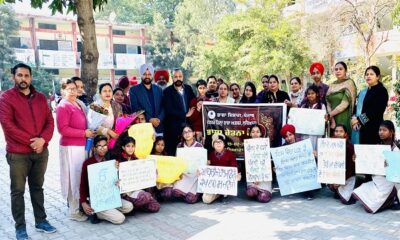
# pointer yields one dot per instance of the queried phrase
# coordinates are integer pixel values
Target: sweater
(71, 124)
(23, 118)
(226, 159)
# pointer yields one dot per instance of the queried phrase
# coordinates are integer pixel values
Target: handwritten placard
(308, 121)
(257, 159)
(169, 169)
(393, 169)
(104, 193)
(295, 167)
(137, 175)
(143, 134)
(218, 180)
(332, 160)
(195, 157)
(370, 159)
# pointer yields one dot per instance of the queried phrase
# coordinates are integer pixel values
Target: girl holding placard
(262, 191)
(379, 193)
(220, 157)
(186, 187)
(313, 101)
(140, 199)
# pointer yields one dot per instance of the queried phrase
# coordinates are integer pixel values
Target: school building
(53, 43)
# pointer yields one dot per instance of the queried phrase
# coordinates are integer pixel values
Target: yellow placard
(169, 169)
(143, 134)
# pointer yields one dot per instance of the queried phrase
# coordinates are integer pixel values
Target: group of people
(175, 112)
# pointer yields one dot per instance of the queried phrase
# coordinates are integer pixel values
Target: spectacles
(101, 146)
(71, 89)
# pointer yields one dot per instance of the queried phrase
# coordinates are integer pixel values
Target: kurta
(371, 117)
(377, 194)
(342, 95)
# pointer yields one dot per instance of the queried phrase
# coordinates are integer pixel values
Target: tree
(365, 17)
(139, 11)
(252, 43)
(160, 51)
(87, 28)
(193, 28)
(9, 25)
(322, 32)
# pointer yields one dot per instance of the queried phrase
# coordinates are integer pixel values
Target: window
(121, 72)
(15, 42)
(80, 47)
(120, 48)
(133, 49)
(48, 44)
(118, 32)
(47, 26)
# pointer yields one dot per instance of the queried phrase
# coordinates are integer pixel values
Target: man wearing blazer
(148, 96)
(176, 99)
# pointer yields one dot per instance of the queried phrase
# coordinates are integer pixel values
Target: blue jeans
(32, 166)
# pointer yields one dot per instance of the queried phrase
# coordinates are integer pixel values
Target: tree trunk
(90, 54)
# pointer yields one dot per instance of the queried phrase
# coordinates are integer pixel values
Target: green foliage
(9, 25)
(252, 43)
(396, 14)
(193, 29)
(62, 5)
(159, 51)
(139, 11)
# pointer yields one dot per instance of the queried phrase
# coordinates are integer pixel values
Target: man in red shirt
(28, 127)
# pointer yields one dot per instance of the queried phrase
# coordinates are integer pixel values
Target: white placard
(26, 56)
(332, 160)
(129, 61)
(105, 61)
(308, 121)
(57, 59)
(136, 175)
(257, 158)
(370, 158)
(218, 180)
(195, 157)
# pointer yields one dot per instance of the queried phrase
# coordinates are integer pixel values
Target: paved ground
(283, 218)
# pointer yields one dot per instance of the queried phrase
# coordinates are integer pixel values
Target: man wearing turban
(317, 71)
(161, 77)
(148, 97)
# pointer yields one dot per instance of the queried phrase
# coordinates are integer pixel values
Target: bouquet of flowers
(121, 124)
(95, 117)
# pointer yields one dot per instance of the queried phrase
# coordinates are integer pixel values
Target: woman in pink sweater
(71, 124)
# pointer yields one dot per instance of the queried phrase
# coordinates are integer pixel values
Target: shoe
(21, 234)
(45, 227)
(79, 217)
(94, 219)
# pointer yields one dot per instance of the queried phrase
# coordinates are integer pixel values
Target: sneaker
(79, 217)
(45, 227)
(21, 234)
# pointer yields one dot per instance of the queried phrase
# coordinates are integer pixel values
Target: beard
(161, 83)
(23, 85)
(178, 83)
(147, 81)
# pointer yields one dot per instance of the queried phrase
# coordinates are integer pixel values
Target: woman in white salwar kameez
(262, 191)
(186, 187)
(379, 193)
(71, 124)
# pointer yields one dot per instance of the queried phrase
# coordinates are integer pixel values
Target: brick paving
(290, 217)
